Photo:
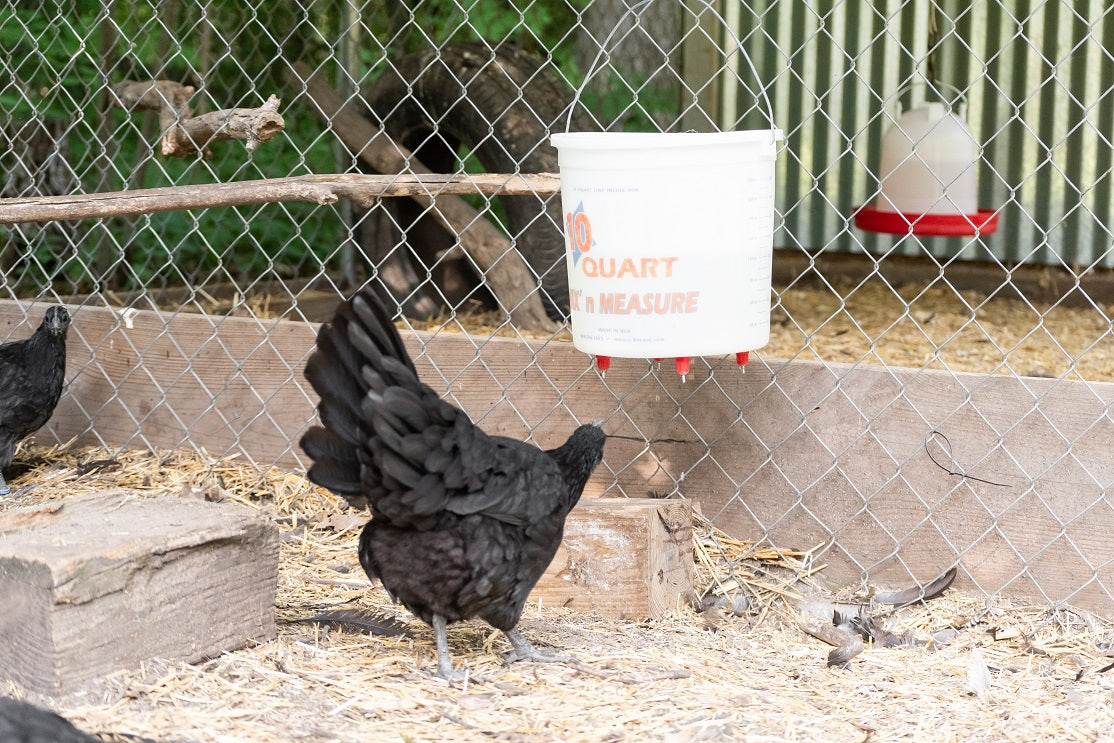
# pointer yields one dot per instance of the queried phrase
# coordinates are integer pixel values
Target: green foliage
(537, 27)
(632, 104)
(62, 55)
(241, 244)
(46, 57)
(55, 52)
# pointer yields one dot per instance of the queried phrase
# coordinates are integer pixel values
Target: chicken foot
(523, 650)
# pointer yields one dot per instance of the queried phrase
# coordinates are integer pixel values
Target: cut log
(506, 272)
(622, 558)
(95, 584)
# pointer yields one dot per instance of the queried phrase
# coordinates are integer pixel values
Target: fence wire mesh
(924, 401)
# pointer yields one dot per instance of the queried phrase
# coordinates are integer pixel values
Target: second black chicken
(463, 524)
(31, 376)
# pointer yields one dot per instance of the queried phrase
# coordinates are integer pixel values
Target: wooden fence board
(808, 453)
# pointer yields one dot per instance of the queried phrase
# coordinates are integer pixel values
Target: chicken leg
(444, 661)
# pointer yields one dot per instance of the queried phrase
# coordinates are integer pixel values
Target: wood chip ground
(756, 677)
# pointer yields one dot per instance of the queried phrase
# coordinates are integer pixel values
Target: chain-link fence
(924, 401)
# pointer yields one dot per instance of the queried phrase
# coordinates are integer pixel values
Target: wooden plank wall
(803, 453)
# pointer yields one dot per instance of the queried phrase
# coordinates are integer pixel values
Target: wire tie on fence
(128, 315)
(947, 447)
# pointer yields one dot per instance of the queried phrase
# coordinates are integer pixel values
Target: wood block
(622, 558)
(93, 584)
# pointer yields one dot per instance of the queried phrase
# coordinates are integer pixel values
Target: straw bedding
(911, 325)
(939, 328)
(688, 676)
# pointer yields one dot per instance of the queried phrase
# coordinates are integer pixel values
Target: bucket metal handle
(605, 53)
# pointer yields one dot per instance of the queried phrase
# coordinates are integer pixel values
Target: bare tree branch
(185, 134)
(252, 125)
(317, 189)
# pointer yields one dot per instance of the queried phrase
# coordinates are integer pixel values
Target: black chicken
(463, 524)
(21, 722)
(31, 374)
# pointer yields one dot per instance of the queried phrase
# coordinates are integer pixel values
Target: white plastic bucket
(929, 159)
(669, 240)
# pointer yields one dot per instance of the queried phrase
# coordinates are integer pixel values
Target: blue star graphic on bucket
(579, 230)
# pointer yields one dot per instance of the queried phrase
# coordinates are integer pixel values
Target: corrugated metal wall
(1039, 83)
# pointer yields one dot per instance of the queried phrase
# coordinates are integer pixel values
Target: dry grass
(935, 327)
(758, 677)
(939, 328)
(913, 326)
